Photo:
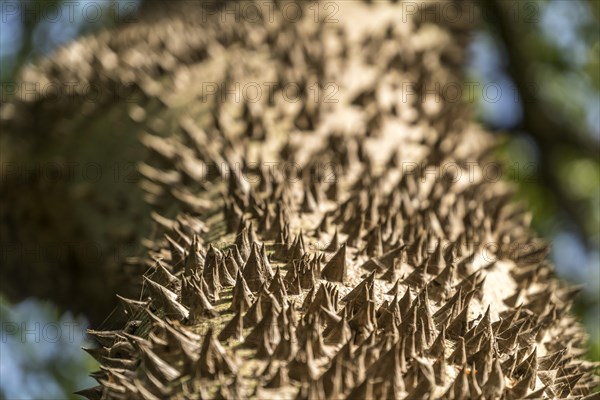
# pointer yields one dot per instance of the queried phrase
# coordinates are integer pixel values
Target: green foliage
(41, 356)
(559, 177)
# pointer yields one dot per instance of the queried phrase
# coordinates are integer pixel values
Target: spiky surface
(297, 251)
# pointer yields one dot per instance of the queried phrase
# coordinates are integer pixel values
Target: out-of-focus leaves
(41, 356)
(547, 54)
(592, 69)
(558, 56)
(517, 154)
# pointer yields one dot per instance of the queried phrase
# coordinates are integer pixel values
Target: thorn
(167, 299)
(268, 324)
(237, 257)
(200, 307)
(366, 285)
(295, 287)
(395, 290)
(458, 327)
(243, 244)
(308, 203)
(265, 263)
(340, 333)
(277, 284)
(441, 285)
(303, 367)
(194, 263)
(334, 245)
(213, 358)
(324, 226)
(392, 274)
(335, 269)
(234, 329)
(286, 349)
(241, 295)
(460, 387)
(405, 303)
(459, 356)
(231, 265)
(254, 271)
(279, 380)
(177, 254)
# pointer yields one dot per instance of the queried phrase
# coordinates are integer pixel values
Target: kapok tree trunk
(326, 221)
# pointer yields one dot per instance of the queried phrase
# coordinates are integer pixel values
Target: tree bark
(348, 240)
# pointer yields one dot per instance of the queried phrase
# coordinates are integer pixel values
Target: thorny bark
(240, 296)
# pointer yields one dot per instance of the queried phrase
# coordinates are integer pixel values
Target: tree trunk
(318, 214)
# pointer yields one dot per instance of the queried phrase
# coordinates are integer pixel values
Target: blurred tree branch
(551, 135)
